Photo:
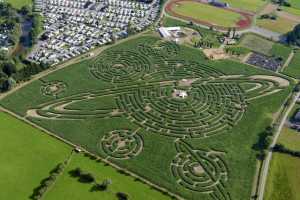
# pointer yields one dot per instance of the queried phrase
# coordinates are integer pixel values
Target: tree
(293, 37)
(122, 196)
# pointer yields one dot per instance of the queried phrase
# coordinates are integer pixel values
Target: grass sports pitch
(163, 112)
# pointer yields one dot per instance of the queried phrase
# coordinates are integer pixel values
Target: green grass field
(27, 156)
(293, 69)
(279, 50)
(290, 139)
(280, 25)
(204, 12)
(19, 3)
(126, 110)
(284, 178)
(257, 44)
(68, 187)
(253, 5)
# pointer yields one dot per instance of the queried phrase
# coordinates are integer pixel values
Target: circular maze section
(120, 66)
(201, 110)
(122, 144)
(53, 88)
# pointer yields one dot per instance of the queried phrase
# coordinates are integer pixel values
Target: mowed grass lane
(27, 156)
(68, 187)
(207, 13)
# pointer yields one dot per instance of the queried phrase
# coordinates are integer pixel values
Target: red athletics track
(240, 25)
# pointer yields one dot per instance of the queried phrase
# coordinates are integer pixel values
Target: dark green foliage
(293, 37)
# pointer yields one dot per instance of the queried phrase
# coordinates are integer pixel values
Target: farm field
(253, 5)
(256, 43)
(27, 156)
(290, 139)
(19, 3)
(68, 187)
(163, 112)
(261, 45)
(208, 15)
(284, 178)
(293, 69)
(280, 25)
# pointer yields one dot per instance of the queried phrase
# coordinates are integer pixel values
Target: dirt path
(268, 159)
(289, 16)
(288, 61)
(269, 8)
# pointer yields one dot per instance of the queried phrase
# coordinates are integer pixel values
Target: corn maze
(122, 144)
(53, 88)
(201, 171)
(156, 90)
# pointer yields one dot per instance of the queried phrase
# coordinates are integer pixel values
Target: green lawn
(252, 5)
(204, 12)
(68, 187)
(291, 10)
(279, 50)
(280, 25)
(290, 139)
(153, 63)
(27, 156)
(294, 67)
(19, 3)
(257, 44)
(284, 178)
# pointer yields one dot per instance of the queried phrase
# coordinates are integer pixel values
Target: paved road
(264, 32)
(267, 161)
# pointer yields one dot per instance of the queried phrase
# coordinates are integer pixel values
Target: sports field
(163, 112)
(19, 3)
(208, 15)
(27, 156)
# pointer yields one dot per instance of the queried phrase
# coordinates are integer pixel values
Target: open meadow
(284, 178)
(253, 5)
(162, 111)
(27, 156)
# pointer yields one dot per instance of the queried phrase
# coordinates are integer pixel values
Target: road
(268, 159)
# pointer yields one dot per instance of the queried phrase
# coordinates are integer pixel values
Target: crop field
(27, 156)
(284, 178)
(163, 112)
(257, 44)
(294, 67)
(280, 25)
(208, 15)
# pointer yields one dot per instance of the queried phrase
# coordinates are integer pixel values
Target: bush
(122, 196)
(87, 178)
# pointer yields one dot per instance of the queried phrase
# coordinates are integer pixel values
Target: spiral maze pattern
(53, 88)
(209, 109)
(122, 144)
(120, 66)
(200, 171)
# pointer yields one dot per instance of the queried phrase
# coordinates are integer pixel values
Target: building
(166, 32)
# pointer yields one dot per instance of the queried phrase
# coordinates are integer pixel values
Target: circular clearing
(53, 88)
(122, 144)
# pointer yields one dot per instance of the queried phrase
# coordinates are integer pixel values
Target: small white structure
(180, 93)
(166, 32)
